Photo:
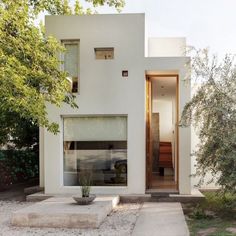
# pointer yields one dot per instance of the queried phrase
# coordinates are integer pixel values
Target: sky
(204, 23)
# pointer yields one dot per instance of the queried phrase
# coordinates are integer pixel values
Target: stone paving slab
(161, 219)
(63, 212)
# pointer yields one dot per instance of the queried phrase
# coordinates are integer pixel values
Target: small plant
(85, 179)
(224, 204)
(199, 213)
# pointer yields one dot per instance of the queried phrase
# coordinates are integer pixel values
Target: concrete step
(194, 197)
(163, 193)
(63, 212)
(152, 195)
(33, 189)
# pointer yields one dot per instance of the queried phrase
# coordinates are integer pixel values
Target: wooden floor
(163, 182)
(167, 182)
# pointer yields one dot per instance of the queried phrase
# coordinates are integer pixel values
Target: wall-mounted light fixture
(125, 73)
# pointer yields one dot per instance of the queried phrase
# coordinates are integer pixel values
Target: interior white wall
(104, 91)
(164, 108)
(175, 136)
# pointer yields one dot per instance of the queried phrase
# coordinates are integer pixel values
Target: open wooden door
(148, 133)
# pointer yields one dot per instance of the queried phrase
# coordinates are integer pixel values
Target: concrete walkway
(161, 219)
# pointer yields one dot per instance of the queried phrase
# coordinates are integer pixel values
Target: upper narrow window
(104, 53)
(71, 62)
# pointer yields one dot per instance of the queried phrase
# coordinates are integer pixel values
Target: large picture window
(98, 145)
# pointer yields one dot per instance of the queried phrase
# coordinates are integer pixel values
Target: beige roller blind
(106, 128)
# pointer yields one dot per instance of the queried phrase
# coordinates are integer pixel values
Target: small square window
(125, 73)
(104, 53)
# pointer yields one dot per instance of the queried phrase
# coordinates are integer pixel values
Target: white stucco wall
(164, 108)
(104, 91)
(41, 157)
(166, 47)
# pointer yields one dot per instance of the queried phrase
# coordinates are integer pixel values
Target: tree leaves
(29, 65)
(30, 75)
(63, 7)
(212, 111)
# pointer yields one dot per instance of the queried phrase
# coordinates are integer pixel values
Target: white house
(125, 130)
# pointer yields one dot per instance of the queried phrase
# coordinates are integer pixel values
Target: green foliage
(29, 67)
(62, 7)
(224, 204)
(78, 8)
(85, 180)
(216, 204)
(199, 213)
(17, 132)
(5, 176)
(118, 4)
(30, 75)
(18, 166)
(216, 214)
(212, 112)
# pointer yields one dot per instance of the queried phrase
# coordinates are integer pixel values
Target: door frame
(148, 107)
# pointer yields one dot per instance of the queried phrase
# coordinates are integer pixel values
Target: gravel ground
(120, 222)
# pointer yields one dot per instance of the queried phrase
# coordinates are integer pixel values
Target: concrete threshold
(161, 219)
(63, 212)
(195, 197)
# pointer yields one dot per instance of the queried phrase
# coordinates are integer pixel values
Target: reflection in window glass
(97, 145)
(71, 62)
(104, 53)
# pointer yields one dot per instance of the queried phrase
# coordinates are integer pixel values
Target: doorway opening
(162, 133)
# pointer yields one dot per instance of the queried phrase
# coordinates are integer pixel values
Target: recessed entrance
(162, 133)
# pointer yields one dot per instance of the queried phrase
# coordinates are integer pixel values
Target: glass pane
(97, 145)
(104, 53)
(71, 62)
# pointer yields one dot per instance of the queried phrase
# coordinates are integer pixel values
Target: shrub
(18, 166)
(223, 204)
(212, 112)
(5, 176)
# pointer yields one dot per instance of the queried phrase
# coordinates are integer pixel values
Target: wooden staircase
(165, 155)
